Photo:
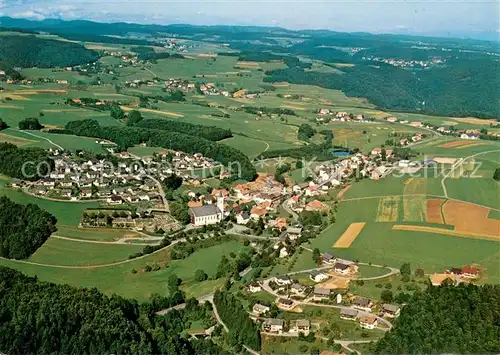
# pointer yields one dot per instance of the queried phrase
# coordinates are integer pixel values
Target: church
(207, 214)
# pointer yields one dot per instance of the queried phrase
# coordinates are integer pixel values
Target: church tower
(220, 204)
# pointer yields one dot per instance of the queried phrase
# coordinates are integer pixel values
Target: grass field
(120, 280)
(71, 253)
(379, 243)
(67, 213)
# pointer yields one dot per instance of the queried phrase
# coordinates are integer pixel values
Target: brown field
(474, 120)
(13, 97)
(100, 47)
(207, 55)
(335, 283)
(388, 209)
(349, 235)
(471, 145)
(282, 84)
(342, 192)
(36, 92)
(253, 65)
(434, 211)
(5, 138)
(292, 107)
(455, 144)
(167, 113)
(471, 219)
(206, 75)
(453, 233)
(15, 107)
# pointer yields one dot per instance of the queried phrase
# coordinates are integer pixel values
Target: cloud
(29, 14)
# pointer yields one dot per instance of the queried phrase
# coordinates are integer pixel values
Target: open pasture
(19, 141)
(56, 251)
(120, 280)
(414, 207)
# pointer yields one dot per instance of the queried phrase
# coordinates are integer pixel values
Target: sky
(458, 18)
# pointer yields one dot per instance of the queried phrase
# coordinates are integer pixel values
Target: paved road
(125, 241)
(458, 163)
(287, 208)
(161, 191)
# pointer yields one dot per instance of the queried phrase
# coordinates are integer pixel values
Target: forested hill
(462, 88)
(30, 51)
(457, 320)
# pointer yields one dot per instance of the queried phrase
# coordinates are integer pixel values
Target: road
(119, 241)
(46, 139)
(459, 163)
(161, 191)
(287, 208)
(268, 289)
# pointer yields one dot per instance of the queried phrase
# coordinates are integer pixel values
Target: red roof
(473, 270)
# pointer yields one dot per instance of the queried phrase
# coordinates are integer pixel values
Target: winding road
(44, 138)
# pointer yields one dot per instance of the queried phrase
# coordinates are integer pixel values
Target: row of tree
(126, 137)
(212, 133)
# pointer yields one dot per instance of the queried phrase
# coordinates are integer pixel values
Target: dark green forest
(127, 137)
(27, 164)
(43, 318)
(459, 320)
(23, 228)
(462, 88)
(242, 330)
(28, 51)
(211, 133)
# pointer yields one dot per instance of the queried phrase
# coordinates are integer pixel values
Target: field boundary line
(453, 233)
(44, 138)
(90, 266)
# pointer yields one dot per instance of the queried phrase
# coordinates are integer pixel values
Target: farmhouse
(259, 309)
(439, 279)
(328, 258)
(254, 287)
(300, 325)
(283, 280)
(317, 276)
(321, 293)
(115, 200)
(368, 322)
(273, 325)
(298, 289)
(363, 304)
(293, 233)
(285, 303)
(470, 271)
(348, 314)
(342, 269)
(391, 310)
(243, 217)
(316, 205)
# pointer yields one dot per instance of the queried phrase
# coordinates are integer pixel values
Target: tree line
(447, 319)
(242, 330)
(28, 51)
(13, 159)
(41, 318)
(23, 228)
(126, 137)
(212, 133)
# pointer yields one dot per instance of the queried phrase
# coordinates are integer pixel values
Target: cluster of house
(403, 63)
(178, 84)
(327, 115)
(263, 194)
(138, 83)
(212, 89)
(455, 275)
(73, 178)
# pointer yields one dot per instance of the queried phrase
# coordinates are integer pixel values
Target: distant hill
(27, 51)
